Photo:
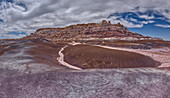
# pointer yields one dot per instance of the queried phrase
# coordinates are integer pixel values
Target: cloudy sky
(22, 17)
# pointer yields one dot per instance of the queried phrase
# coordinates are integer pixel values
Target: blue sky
(156, 26)
(19, 18)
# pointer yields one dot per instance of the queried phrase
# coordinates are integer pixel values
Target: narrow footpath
(61, 60)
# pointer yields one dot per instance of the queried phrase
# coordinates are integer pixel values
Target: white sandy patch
(74, 43)
(61, 60)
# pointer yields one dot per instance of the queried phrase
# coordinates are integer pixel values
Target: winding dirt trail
(61, 60)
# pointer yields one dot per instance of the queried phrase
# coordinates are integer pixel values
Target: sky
(19, 18)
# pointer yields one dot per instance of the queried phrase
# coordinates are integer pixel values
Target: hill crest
(90, 31)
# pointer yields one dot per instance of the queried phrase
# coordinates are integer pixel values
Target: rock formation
(90, 31)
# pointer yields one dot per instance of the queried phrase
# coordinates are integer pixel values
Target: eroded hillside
(90, 31)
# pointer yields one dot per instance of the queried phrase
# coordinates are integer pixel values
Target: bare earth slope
(29, 69)
(87, 56)
(30, 56)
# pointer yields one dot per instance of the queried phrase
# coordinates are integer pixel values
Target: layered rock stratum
(90, 31)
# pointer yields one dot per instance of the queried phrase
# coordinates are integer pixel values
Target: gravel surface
(106, 83)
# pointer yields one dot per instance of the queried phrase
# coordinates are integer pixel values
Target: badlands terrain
(95, 60)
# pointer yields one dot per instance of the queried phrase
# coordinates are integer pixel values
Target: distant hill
(90, 31)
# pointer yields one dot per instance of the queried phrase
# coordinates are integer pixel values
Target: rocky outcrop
(90, 31)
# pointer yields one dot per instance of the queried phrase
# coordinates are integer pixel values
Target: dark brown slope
(46, 53)
(86, 56)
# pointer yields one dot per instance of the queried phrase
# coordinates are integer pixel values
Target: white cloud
(126, 23)
(11, 36)
(146, 22)
(146, 17)
(134, 20)
(130, 24)
(164, 26)
(53, 13)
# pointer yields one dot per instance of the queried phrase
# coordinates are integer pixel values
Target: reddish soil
(45, 53)
(86, 56)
